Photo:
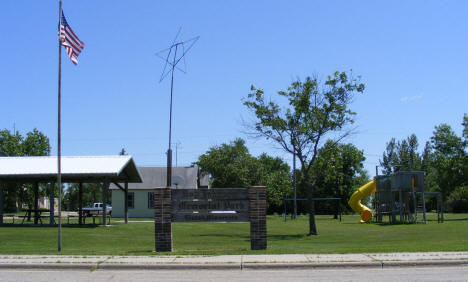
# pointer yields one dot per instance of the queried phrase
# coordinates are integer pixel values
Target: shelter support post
(339, 208)
(1, 203)
(126, 202)
(400, 202)
(125, 191)
(257, 217)
(415, 205)
(105, 187)
(441, 208)
(51, 203)
(80, 203)
(424, 207)
(284, 208)
(36, 202)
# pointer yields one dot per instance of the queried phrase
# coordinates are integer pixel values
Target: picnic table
(38, 215)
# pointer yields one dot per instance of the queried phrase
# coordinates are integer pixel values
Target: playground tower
(400, 196)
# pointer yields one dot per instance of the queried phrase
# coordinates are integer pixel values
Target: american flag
(73, 45)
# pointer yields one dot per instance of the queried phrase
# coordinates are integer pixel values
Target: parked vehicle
(97, 209)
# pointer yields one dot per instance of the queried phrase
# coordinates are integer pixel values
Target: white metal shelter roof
(74, 169)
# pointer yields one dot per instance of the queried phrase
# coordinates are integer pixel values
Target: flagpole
(59, 145)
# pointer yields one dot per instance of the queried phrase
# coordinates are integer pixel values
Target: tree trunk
(310, 206)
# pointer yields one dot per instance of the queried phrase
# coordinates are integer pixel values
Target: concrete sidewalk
(378, 260)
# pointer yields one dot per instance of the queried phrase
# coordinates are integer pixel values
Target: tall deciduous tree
(465, 157)
(465, 126)
(36, 144)
(10, 146)
(338, 171)
(10, 143)
(448, 155)
(275, 175)
(232, 166)
(314, 111)
(14, 144)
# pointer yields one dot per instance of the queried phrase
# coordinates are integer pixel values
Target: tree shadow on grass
(224, 235)
(28, 225)
(277, 237)
(281, 237)
(142, 252)
(452, 219)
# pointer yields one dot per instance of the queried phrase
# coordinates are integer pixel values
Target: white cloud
(408, 99)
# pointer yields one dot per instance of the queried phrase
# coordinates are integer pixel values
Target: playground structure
(400, 196)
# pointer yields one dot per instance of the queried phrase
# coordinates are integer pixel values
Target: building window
(131, 200)
(151, 200)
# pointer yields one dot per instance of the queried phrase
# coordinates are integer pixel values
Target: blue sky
(411, 55)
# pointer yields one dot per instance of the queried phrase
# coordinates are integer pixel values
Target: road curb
(174, 266)
(423, 263)
(312, 265)
(48, 266)
(233, 266)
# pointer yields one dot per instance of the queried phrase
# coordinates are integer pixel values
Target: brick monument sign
(210, 205)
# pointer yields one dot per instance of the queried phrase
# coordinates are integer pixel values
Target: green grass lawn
(348, 236)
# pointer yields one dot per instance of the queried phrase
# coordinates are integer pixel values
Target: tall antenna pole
(169, 151)
(172, 51)
(59, 139)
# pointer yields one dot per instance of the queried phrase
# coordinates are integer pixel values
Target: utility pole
(176, 152)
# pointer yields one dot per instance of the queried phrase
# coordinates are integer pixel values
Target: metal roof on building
(74, 168)
(182, 177)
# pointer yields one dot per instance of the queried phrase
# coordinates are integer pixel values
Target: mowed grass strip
(348, 236)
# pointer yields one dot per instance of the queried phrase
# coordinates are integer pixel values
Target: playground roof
(74, 169)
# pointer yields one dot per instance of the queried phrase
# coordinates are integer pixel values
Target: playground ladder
(419, 206)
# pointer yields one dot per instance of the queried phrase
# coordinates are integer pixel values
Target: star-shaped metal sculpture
(172, 58)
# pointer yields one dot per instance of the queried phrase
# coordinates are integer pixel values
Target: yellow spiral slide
(355, 201)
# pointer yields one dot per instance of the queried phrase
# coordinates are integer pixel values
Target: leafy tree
(14, 144)
(313, 113)
(232, 166)
(448, 155)
(337, 172)
(10, 144)
(389, 157)
(274, 173)
(465, 156)
(458, 199)
(426, 157)
(35, 144)
(465, 126)
(91, 194)
(430, 180)
(401, 156)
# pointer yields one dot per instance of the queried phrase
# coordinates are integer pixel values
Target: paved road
(354, 274)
